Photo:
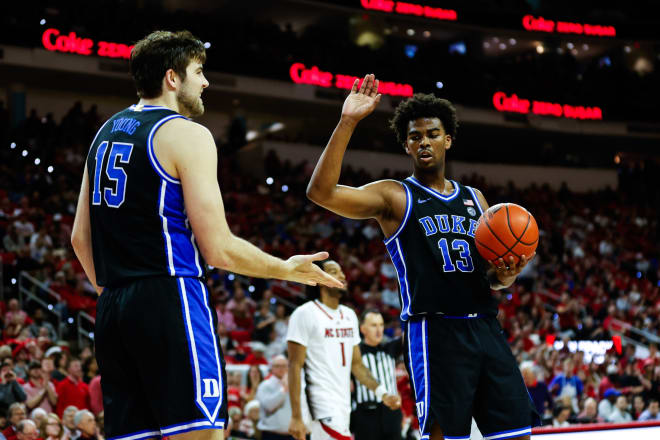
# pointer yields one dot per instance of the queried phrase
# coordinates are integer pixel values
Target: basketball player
(459, 363)
(150, 217)
(323, 337)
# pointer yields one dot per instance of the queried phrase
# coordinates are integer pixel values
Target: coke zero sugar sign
(513, 104)
(55, 41)
(302, 75)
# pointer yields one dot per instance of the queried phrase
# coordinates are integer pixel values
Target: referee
(370, 418)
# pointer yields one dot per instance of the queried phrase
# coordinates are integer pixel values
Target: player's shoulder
(198, 140)
(348, 311)
(184, 128)
(386, 185)
(304, 309)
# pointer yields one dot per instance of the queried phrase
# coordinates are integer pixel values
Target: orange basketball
(506, 230)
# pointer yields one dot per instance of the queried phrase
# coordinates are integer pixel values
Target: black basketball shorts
(462, 367)
(162, 371)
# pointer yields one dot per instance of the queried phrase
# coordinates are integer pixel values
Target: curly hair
(423, 105)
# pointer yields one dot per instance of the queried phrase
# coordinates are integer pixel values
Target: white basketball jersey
(329, 336)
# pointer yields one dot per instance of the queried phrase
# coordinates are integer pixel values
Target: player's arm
(81, 234)
(364, 376)
(368, 201)
(297, 353)
(502, 274)
(196, 165)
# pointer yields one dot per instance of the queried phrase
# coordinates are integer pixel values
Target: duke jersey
(139, 225)
(329, 337)
(433, 251)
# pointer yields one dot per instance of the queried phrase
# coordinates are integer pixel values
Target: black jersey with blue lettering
(139, 224)
(433, 251)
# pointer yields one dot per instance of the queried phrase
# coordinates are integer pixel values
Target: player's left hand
(505, 271)
(392, 401)
(301, 269)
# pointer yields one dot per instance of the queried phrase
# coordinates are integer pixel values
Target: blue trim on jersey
(144, 434)
(399, 262)
(405, 217)
(181, 240)
(512, 433)
(194, 425)
(476, 200)
(435, 193)
(202, 347)
(147, 107)
(150, 150)
(419, 368)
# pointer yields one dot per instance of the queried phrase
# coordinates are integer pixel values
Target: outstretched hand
(301, 269)
(362, 100)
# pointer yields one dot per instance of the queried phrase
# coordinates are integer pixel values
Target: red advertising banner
(540, 24)
(55, 41)
(514, 104)
(406, 8)
(302, 75)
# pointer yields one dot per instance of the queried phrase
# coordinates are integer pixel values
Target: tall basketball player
(150, 217)
(459, 362)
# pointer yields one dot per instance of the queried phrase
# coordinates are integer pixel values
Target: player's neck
(432, 179)
(329, 301)
(165, 100)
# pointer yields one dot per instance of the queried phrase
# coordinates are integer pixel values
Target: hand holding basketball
(507, 237)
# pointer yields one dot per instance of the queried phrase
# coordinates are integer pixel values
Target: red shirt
(71, 393)
(10, 433)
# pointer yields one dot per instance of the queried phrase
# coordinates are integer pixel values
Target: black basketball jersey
(433, 251)
(138, 218)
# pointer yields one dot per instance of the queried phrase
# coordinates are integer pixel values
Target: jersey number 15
(114, 197)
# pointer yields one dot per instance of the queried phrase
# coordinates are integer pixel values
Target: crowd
(267, 48)
(597, 267)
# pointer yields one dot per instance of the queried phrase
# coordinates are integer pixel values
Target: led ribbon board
(55, 41)
(302, 75)
(406, 8)
(514, 104)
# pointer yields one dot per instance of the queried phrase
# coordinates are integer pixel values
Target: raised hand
(301, 269)
(361, 101)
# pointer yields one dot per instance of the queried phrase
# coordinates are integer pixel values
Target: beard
(337, 292)
(189, 104)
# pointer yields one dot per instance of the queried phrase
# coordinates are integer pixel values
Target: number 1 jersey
(138, 220)
(433, 251)
(329, 337)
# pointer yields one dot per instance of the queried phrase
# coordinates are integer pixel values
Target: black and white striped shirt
(381, 361)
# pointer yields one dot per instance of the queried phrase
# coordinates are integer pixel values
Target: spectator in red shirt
(257, 355)
(15, 415)
(39, 390)
(72, 390)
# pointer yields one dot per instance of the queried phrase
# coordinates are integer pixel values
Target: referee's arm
(364, 376)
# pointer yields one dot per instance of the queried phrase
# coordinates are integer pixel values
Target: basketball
(506, 230)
